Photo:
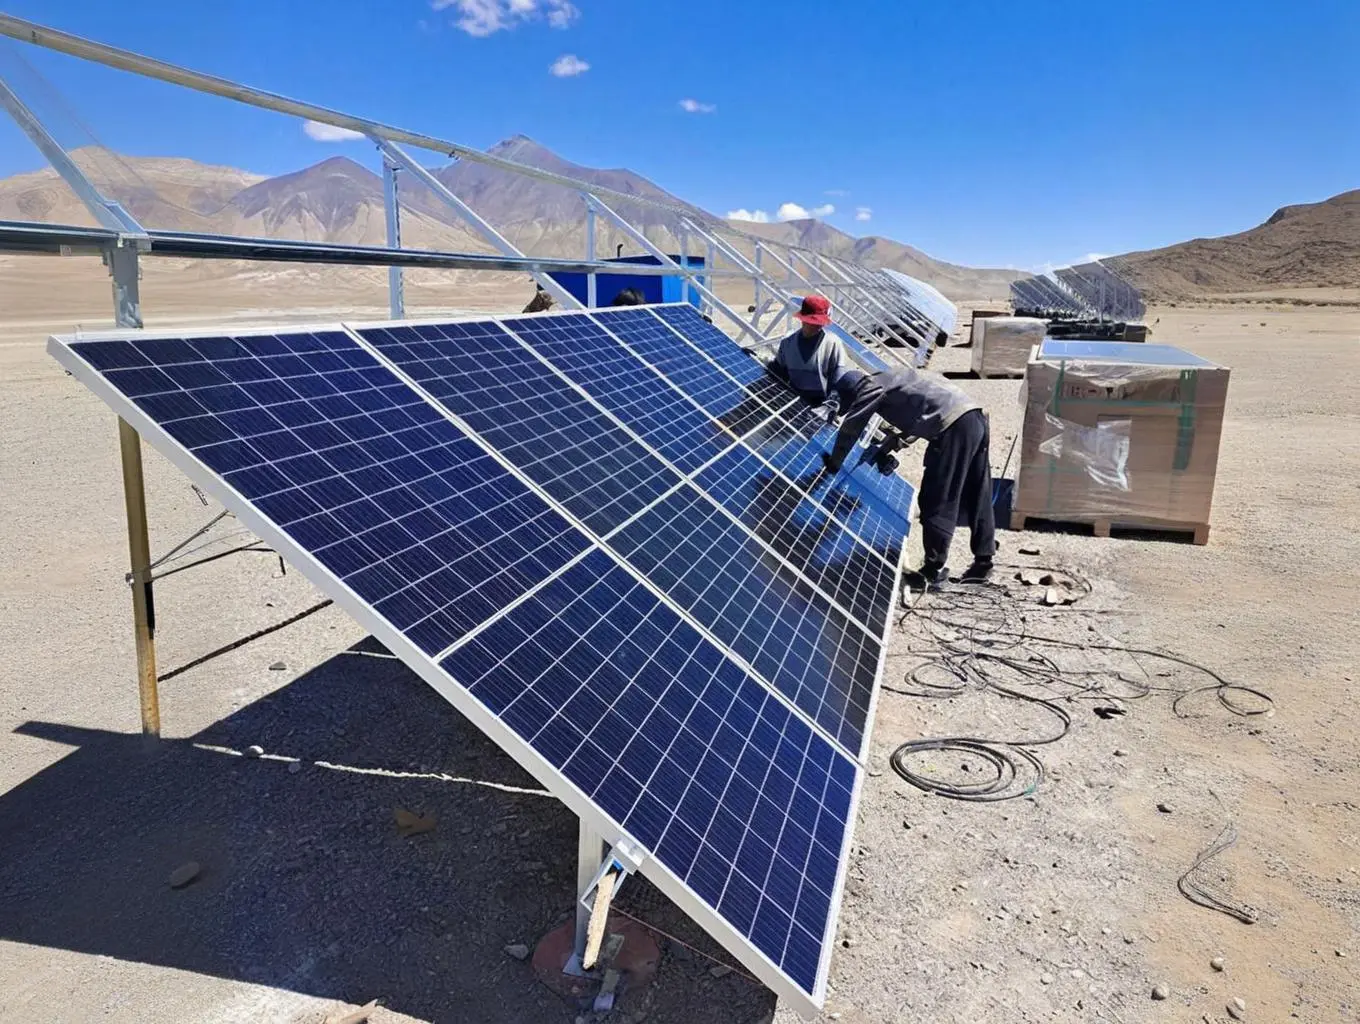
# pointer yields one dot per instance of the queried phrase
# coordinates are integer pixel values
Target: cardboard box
(1120, 434)
(978, 316)
(1002, 344)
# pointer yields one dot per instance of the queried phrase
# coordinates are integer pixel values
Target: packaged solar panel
(1120, 435)
(1002, 344)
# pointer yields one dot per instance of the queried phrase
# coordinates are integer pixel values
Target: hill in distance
(1312, 245)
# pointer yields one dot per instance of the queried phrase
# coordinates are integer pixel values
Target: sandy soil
(309, 900)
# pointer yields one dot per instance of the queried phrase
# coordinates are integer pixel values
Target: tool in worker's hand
(881, 451)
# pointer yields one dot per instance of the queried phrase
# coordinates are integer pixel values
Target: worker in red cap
(810, 360)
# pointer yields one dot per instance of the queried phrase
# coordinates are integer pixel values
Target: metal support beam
(139, 551)
(125, 270)
(105, 210)
(684, 261)
(396, 297)
(400, 157)
(642, 240)
(592, 297)
(589, 860)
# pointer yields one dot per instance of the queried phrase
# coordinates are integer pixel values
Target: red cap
(816, 311)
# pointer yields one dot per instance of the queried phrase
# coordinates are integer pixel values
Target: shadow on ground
(306, 884)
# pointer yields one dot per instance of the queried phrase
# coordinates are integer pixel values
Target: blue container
(654, 288)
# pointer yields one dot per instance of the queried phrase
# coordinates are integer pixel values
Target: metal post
(589, 858)
(684, 262)
(139, 550)
(712, 280)
(755, 315)
(396, 297)
(591, 295)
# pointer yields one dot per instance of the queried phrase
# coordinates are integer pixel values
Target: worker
(629, 297)
(541, 302)
(958, 473)
(810, 360)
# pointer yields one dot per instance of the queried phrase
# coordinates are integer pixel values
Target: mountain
(1313, 245)
(340, 201)
(955, 281)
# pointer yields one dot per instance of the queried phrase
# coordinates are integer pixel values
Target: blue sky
(987, 132)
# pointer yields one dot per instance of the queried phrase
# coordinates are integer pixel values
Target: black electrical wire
(976, 637)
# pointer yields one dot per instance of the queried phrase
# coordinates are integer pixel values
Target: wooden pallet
(1101, 527)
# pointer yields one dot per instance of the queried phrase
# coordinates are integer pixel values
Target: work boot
(978, 572)
(928, 577)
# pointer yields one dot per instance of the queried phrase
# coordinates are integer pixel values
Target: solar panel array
(1044, 296)
(1104, 291)
(605, 538)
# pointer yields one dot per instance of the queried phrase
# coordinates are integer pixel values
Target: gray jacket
(918, 404)
(810, 366)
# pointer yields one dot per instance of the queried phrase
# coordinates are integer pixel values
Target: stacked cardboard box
(1001, 344)
(1120, 435)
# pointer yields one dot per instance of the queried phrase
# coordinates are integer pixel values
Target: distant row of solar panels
(1087, 290)
(604, 537)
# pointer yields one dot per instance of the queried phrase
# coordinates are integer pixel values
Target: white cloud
(695, 107)
(568, 66)
(485, 17)
(329, 132)
(792, 211)
(863, 213)
(754, 216)
(839, 193)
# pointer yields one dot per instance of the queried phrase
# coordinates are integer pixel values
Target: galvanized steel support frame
(396, 297)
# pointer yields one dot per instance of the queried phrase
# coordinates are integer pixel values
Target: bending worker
(810, 360)
(958, 473)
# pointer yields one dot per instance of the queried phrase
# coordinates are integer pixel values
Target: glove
(830, 413)
(831, 465)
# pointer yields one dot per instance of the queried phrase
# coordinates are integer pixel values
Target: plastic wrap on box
(1001, 344)
(1120, 442)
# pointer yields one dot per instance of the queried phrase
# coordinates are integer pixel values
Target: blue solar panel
(765, 613)
(663, 417)
(1120, 352)
(711, 342)
(531, 416)
(739, 402)
(577, 640)
(809, 538)
(792, 443)
(738, 798)
(874, 507)
(356, 467)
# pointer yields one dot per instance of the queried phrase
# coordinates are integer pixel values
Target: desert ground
(1058, 906)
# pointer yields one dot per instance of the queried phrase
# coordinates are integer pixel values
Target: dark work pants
(957, 487)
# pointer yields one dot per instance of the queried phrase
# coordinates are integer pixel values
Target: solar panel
(569, 541)
(460, 364)
(1119, 352)
(1044, 295)
(869, 506)
(1104, 291)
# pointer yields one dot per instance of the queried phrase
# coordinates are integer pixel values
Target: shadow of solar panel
(739, 800)
(766, 613)
(531, 416)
